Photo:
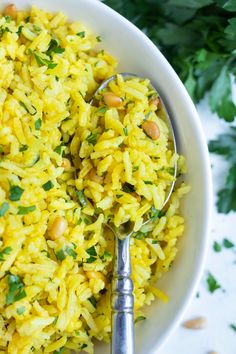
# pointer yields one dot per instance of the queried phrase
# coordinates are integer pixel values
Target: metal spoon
(122, 301)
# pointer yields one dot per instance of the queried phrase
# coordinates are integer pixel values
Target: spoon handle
(122, 300)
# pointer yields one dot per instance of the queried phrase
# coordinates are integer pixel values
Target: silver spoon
(122, 301)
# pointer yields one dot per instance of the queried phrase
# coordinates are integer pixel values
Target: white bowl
(137, 54)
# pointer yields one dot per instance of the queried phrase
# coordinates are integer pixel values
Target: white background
(220, 307)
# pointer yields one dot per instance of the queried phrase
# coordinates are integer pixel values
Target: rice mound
(55, 293)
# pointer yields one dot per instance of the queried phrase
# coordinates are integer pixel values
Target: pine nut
(111, 100)
(151, 129)
(58, 228)
(196, 323)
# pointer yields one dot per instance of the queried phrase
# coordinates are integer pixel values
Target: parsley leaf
(225, 145)
(233, 327)
(16, 290)
(227, 243)
(92, 138)
(81, 34)
(212, 283)
(47, 186)
(38, 124)
(4, 208)
(42, 61)
(5, 251)
(20, 310)
(54, 47)
(82, 198)
(15, 193)
(139, 318)
(216, 247)
(25, 210)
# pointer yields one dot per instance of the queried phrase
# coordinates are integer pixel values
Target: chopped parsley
(140, 235)
(212, 283)
(81, 34)
(38, 124)
(102, 110)
(59, 351)
(135, 168)
(83, 346)
(42, 61)
(148, 182)
(8, 19)
(92, 253)
(233, 327)
(139, 318)
(16, 289)
(25, 210)
(128, 188)
(93, 301)
(171, 171)
(217, 247)
(126, 131)
(19, 30)
(5, 252)
(98, 38)
(20, 310)
(4, 208)
(227, 243)
(59, 149)
(82, 198)
(15, 193)
(92, 138)
(54, 47)
(63, 253)
(23, 148)
(47, 186)
(156, 214)
(106, 256)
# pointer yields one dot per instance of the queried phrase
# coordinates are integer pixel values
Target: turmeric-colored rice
(63, 160)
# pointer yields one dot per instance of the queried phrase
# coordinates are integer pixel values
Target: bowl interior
(137, 54)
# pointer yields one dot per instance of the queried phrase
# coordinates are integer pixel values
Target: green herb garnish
(81, 34)
(233, 327)
(8, 19)
(225, 145)
(5, 252)
(92, 138)
(125, 131)
(54, 47)
(106, 256)
(102, 110)
(212, 283)
(128, 188)
(139, 318)
(135, 168)
(23, 148)
(216, 247)
(92, 253)
(48, 185)
(60, 255)
(63, 253)
(42, 61)
(20, 310)
(93, 301)
(59, 351)
(25, 210)
(227, 243)
(4, 208)
(70, 252)
(16, 289)
(38, 124)
(82, 198)
(148, 182)
(98, 38)
(15, 193)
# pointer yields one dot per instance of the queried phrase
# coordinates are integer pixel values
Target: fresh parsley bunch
(198, 37)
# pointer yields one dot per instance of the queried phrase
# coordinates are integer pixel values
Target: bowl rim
(208, 201)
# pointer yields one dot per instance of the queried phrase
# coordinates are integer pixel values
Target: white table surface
(220, 307)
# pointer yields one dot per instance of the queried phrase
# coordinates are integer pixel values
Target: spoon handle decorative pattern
(122, 300)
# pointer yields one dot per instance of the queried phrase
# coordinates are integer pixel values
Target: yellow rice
(45, 115)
